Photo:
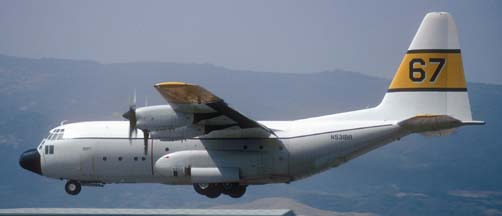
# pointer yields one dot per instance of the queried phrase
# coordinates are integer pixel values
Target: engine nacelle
(195, 167)
(178, 133)
(154, 118)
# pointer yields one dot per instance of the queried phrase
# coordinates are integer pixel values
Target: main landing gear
(72, 187)
(234, 190)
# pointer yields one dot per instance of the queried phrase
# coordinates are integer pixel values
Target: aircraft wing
(208, 109)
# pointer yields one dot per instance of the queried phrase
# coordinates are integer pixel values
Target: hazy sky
(277, 36)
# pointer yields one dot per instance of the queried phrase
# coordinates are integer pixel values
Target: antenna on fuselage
(63, 122)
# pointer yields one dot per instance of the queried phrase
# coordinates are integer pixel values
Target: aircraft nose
(30, 160)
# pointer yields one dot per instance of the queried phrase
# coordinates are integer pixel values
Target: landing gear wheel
(234, 190)
(213, 191)
(227, 187)
(200, 188)
(209, 190)
(72, 187)
(237, 191)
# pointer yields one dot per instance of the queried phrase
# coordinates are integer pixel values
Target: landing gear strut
(234, 190)
(72, 187)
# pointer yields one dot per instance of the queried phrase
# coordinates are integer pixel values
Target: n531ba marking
(198, 139)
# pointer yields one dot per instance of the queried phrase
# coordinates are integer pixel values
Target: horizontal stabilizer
(434, 123)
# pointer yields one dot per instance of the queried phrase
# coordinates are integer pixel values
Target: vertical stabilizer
(430, 79)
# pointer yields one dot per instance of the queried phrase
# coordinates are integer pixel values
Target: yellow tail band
(430, 70)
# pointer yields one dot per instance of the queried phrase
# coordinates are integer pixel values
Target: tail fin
(430, 80)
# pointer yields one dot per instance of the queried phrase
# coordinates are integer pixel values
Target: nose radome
(30, 160)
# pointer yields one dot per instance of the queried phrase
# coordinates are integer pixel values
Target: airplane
(198, 139)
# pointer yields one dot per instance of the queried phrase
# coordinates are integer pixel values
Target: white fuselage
(102, 152)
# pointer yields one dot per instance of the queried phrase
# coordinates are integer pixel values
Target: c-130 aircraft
(199, 140)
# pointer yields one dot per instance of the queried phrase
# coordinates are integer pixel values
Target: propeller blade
(131, 116)
(146, 136)
(134, 99)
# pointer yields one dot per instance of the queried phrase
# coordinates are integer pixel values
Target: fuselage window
(46, 149)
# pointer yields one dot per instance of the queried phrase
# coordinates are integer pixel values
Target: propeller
(131, 116)
(146, 136)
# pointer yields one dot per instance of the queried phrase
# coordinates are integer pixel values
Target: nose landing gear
(234, 190)
(72, 187)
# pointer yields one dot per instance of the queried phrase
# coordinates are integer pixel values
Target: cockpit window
(56, 134)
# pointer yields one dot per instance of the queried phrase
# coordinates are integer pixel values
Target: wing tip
(172, 84)
(185, 93)
(473, 122)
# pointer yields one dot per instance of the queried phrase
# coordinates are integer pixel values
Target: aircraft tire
(73, 187)
(200, 188)
(214, 190)
(209, 190)
(228, 187)
(237, 191)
